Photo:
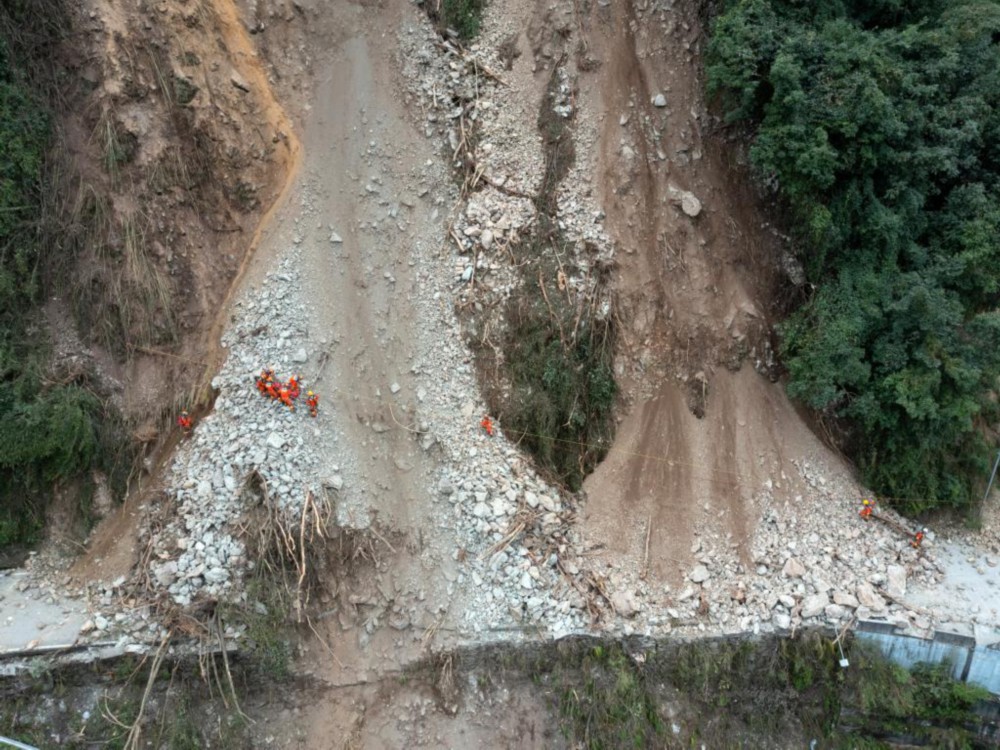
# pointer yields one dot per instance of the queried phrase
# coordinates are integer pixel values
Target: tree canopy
(879, 124)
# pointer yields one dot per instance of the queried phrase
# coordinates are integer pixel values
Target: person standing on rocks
(185, 422)
(294, 386)
(867, 508)
(487, 424)
(312, 401)
(271, 390)
(286, 397)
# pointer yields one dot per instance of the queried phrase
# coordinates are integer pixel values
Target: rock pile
(511, 532)
(245, 434)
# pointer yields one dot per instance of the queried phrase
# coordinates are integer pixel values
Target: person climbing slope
(312, 401)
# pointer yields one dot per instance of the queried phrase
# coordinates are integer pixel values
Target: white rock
(166, 573)
(300, 356)
(659, 100)
(395, 388)
(335, 238)
(845, 600)
(481, 510)
(486, 239)
(275, 440)
(624, 603)
(337, 482)
(699, 574)
(896, 581)
(782, 620)
(814, 605)
(238, 81)
(690, 205)
(834, 612)
(793, 568)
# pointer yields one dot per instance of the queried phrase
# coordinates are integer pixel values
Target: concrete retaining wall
(970, 661)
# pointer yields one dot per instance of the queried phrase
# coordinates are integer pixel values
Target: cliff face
(166, 147)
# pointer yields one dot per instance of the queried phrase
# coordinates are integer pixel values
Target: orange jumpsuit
(271, 390)
(487, 424)
(293, 386)
(184, 422)
(917, 539)
(313, 403)
(286, 399)
(867, 509)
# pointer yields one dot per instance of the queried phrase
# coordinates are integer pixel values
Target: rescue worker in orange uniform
(271, 389)
(487, 424)
(312, 401)
(261, 385)
(184, 422)
(286, 397)
(294, 383)
(868, 507)
(918, 538)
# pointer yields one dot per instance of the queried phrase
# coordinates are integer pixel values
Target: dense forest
(876, 122)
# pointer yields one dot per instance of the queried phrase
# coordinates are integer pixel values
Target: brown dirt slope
(703, 431)
(174, 139)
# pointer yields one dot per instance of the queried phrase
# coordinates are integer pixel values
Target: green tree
(879, 123)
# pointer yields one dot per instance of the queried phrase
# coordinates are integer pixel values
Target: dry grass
(122, 297)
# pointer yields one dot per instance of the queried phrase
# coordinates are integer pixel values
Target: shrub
(464, 16)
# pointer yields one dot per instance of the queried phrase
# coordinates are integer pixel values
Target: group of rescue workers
(286, 393)
(867, 512)
(269, 386)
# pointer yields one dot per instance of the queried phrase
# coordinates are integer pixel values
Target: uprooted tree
(879, 124)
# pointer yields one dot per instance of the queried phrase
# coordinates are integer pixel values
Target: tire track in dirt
(698, 438)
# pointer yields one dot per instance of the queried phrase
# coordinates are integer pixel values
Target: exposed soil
(362, 209)
(703, 430)
(196, 183)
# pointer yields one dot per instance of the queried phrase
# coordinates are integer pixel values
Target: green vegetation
(562, 390)
(54, 427)
(95, 706)
(925, 706)
(267, 652)
(612, 708)
(557, 351)
(737, 693)
(463, 16)
(47, 432)
(879, 124)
